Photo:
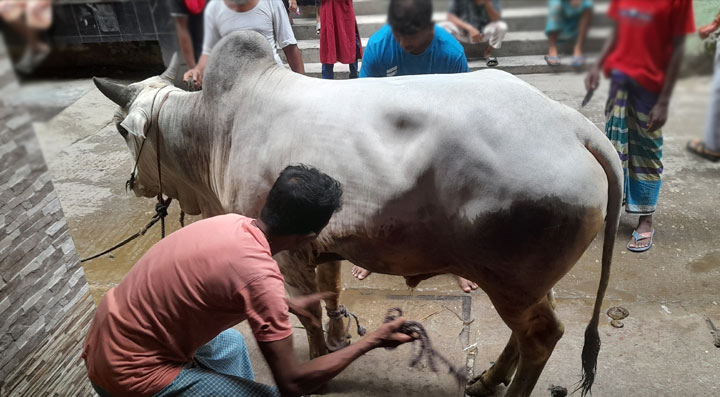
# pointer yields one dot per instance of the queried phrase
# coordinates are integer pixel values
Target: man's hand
(387, 335)
(592, 80)
(706, 30)
(658, 116)
(196, 75)
(302, 305)
(475, 35)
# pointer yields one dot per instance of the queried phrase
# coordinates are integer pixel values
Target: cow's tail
(605, 154)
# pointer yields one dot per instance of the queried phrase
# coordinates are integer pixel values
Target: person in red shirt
(642, 57)
(164, 330)
(339, 37)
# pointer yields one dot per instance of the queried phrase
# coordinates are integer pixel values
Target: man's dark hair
(301, 201)
(407, 17)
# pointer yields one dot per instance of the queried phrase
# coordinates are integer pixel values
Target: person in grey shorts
(710, 148)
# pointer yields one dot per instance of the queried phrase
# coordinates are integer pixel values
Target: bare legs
(35, 49)
(466, 285)
(583, 29)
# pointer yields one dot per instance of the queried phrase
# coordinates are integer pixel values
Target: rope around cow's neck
(424, 347)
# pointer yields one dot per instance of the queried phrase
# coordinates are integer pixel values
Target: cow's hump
(237, 55)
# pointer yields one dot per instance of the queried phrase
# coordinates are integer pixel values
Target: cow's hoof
(335, 345)
(477, 388)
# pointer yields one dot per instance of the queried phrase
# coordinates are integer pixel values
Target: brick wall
(41, 281)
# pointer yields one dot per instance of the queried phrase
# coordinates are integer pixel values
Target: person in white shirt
(267, 17)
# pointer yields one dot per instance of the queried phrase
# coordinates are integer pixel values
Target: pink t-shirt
(184, 291)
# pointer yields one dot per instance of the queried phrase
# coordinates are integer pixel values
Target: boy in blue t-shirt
(412, 44)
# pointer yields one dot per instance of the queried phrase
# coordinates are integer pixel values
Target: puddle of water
(705, 264)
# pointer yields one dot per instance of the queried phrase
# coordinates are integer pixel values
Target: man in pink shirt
(165, 329)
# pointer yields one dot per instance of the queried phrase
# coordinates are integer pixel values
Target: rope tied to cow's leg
(341, 313)
(424, 348)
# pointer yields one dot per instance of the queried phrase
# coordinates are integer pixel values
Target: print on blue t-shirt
(384, 57)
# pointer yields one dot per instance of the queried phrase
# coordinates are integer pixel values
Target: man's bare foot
(466, 285)
(360, 272)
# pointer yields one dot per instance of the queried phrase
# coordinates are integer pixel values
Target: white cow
(477, 174)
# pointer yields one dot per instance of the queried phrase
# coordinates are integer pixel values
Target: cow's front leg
(300, 281)
(328, 279)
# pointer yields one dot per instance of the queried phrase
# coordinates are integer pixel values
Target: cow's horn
(172, 69)
(118, 93)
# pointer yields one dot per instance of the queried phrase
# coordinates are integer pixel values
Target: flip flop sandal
(492, 62)
(552, 60)
(578, 61)
(637, 237)
(698, 147)
(317, 29)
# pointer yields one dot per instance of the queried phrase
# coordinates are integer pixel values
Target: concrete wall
(40, 275)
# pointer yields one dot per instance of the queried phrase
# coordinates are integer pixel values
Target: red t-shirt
(646, 29)
(184, 291)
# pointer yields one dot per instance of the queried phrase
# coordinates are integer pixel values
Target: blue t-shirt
(383, 56)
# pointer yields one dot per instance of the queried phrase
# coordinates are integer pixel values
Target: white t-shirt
(268, 18)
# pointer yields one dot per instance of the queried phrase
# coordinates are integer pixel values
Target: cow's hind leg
(328, 279)
(536, 330)
(504, 367)
(501, 372)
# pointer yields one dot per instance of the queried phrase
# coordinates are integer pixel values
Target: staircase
(522, 50)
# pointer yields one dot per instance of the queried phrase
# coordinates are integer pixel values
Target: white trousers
(493, 33)
(712, 128)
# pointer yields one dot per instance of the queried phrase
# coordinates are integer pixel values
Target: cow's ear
(135, 123)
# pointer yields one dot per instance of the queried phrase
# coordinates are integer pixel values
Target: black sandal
(492, 62)
(698, 147)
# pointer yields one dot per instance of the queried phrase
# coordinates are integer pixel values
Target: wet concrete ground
(664, 349)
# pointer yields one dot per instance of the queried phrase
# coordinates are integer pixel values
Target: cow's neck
(186, 154)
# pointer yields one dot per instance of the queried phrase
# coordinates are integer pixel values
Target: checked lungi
(640, 151)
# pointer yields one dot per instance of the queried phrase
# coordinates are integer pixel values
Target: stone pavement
(664, 349)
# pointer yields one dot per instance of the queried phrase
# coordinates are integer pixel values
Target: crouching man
(165, 329)
(475, 22)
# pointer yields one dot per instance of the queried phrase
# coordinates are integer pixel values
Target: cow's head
(139, 104)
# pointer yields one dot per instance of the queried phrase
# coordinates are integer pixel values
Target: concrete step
(518, 19)
(535, 42)
(515, 44)
(367, 7)
(524, 64)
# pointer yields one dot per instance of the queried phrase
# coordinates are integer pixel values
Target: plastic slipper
(492, 62)
(578, 61)
(317, 29)
(552, 60)
(636, 237)
(698, 147)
